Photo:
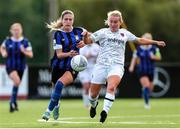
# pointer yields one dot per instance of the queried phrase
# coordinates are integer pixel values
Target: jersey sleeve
(27, 45)
(135, 54)
(97, 36)
(157, 52)
(57, 41)
(130, 36)
(155, 49)
(4, 43)
(81, 29)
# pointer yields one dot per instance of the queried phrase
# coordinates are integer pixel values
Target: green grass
(130, 113)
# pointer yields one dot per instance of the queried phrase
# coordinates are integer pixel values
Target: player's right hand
(161, 43)
(80, 44)
(85, 33)
(131, 69)
(73, 53)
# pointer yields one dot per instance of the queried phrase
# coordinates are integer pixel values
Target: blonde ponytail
(55, 25)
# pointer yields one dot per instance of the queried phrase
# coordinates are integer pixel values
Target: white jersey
(90, 52)
(112, 45)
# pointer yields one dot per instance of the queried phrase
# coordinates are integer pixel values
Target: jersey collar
(17, 40)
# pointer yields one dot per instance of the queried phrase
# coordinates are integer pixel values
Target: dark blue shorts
(57, 73)
(150, 76)
(20, 73)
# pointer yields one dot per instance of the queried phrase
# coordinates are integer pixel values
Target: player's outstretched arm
(144, 41)
(61, 54)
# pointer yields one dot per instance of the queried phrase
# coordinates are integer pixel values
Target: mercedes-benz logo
(161, 82)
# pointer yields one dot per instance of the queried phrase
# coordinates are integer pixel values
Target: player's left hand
(161, 43)
(80, 44)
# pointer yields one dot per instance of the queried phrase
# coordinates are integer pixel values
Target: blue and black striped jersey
(146, 64)
(66, 41)
(16, 60)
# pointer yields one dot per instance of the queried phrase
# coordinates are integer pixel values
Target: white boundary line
(69, 120)
(122, 122)
(115, 117)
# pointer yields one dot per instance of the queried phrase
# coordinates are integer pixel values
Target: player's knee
(111, 89)
(17, 82)
(145, 84)
(93, 95)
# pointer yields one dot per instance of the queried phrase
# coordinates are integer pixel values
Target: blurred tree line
(159, 17)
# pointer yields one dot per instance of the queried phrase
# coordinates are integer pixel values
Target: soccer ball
(79, 63)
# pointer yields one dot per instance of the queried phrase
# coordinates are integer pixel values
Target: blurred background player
(66, 43)
(15, 49)
(110, 61)
(144, 57)
(90, 52)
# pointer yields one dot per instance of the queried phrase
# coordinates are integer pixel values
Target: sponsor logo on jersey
(115, 40)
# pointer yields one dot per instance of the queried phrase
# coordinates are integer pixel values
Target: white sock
(86, 100)
(93, 101)
(57, 106)
(47, 110)
(108, 101)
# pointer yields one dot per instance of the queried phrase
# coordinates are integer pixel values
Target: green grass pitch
(125, 113)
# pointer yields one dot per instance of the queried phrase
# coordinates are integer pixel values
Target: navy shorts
(20, 73)
(150, 76)
(57, 73)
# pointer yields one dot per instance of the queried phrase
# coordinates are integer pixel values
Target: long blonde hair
(114, 13)
(58, 23)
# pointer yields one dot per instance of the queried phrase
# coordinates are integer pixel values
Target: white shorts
(86, 75)
(102, 72)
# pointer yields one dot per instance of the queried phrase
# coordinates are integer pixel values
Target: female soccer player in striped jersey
(66, 44)
(15, 49)
(145, 56)
(110, 61)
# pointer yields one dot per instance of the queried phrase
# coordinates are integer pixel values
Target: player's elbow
(30, 55)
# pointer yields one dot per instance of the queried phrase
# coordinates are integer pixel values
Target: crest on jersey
(77, 38)
(122, 34)
(63, 39)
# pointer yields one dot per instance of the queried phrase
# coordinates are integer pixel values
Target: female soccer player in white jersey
(110, 61)
(90, 52)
